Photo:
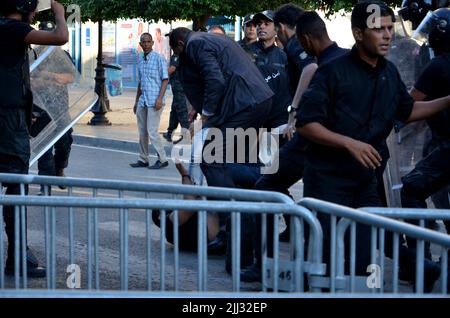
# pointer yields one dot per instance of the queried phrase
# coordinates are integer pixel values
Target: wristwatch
(291, 109)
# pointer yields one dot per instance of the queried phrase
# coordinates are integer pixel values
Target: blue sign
(88, 36)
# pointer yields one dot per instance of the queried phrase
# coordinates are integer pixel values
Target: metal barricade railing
(338, 281)
(94, 204)
(123, 189)
(144, 187)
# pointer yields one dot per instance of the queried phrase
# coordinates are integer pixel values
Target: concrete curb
(114, 144)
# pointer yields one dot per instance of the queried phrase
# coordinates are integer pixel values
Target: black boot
(432, 270)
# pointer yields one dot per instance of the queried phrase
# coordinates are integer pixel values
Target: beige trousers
(148, 126)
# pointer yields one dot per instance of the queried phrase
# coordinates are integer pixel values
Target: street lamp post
(102, 105)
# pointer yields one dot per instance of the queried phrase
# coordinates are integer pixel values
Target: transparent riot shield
(406, 143)
(60, 92)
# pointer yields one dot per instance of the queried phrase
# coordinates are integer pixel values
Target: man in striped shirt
(153, 80)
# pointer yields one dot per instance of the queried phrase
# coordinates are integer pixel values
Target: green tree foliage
(168, 10)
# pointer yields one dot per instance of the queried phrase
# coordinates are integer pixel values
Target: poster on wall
(128, 34)
(109, 43)
(161, 42)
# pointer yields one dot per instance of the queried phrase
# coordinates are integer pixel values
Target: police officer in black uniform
(432, 173)
(250, 35)
(347, 113)
(291, 156)
(179, 111)
(265, 51)
(16, 100)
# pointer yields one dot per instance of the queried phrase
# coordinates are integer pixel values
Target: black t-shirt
(435, 83)
(279, 83)
(272, 55)
(354, 99)
(12, 61)
(298, 59)
(174, 80)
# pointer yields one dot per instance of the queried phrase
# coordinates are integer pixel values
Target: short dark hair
(7, 7)
(146, 33)
(178, 34)
(310, 23)
(216, 26)
(287, 14)
(360, 14)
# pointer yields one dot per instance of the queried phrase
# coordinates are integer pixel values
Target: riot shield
(405, 143)
(60, 94)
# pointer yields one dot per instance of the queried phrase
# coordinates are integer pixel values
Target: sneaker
(139, 164)
(158, 165)
(60, 173)
(167, 136)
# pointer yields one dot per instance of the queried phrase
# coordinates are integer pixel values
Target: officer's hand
(364, 153)
(192, 115)
(158, 104)
(135, 108)
(289, 131)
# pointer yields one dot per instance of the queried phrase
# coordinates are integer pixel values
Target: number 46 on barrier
(285, 275)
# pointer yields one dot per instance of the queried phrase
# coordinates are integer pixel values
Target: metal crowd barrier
(242, 202)
(133, 198)
(381, 220)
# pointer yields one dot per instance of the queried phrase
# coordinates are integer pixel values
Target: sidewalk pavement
(123, 133)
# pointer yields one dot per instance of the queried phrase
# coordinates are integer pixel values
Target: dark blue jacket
(219, 78)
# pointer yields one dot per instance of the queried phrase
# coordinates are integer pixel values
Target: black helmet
(439, 37)
(415, 11)
(25, 6)
(435, 27)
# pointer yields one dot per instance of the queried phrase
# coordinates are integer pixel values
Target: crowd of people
(335, 108)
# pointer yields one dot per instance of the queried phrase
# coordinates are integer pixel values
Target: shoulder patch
(303, 55)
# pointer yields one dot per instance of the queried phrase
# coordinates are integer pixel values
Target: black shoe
(32, 260)
(32, 272)
(218, 246)
(139, 164)
(431, 271)
(158, 165)
(167, 136)
(285, 236)
(251, 274)
(42, 191)
(60, 173)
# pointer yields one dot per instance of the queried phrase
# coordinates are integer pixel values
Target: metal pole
(101, 107)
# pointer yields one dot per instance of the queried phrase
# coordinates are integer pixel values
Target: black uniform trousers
(429, 176)
(50, 163)
(347, 192)
(290, 170)
(219, 174)
(178, 111)
(14, 158)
